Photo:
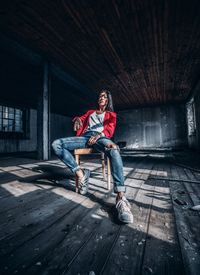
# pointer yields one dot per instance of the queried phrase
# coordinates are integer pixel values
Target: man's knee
(112, 146)
(113, 150)
(56, 144)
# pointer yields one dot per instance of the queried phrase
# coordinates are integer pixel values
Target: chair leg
(77, 158)
(109, 173)
(103, 165)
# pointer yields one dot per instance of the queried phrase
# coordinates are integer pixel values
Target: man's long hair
(109, 106)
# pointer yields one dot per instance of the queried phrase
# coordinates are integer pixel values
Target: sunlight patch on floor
(18, 189)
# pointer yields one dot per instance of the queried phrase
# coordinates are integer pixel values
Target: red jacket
(109, 123)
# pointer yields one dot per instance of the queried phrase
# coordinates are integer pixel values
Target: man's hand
(77, 124)
(93, 139)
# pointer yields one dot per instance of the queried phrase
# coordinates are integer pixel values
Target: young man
(95, 129)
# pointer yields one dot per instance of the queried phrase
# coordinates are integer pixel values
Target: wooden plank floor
(46, 228)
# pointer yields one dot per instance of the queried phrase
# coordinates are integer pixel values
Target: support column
(43, 117)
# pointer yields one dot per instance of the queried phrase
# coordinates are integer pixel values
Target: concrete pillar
(43, 117)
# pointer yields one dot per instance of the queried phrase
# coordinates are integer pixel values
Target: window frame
(191, 118)
(25, 134)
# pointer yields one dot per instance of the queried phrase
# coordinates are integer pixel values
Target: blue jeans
(63, 146)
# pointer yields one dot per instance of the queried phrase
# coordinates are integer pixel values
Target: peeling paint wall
(61, 126)
(157, 127)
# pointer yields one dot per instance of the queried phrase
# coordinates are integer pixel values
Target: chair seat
(84, 151)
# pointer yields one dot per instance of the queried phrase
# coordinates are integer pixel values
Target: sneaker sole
(126, 221)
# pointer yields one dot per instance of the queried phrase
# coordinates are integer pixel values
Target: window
(191, 118)
(14, 122)
(11, 119)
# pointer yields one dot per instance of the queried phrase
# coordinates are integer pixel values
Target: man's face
(103, 99)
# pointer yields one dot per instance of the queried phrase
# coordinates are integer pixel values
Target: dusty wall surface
(153, 127)
(60, 127)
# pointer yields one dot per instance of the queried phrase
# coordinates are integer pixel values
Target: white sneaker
(124, 210)
(83, 182)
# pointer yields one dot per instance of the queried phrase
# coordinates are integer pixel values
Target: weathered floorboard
(49, 229)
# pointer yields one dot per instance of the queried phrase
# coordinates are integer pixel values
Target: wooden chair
(88, 151)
